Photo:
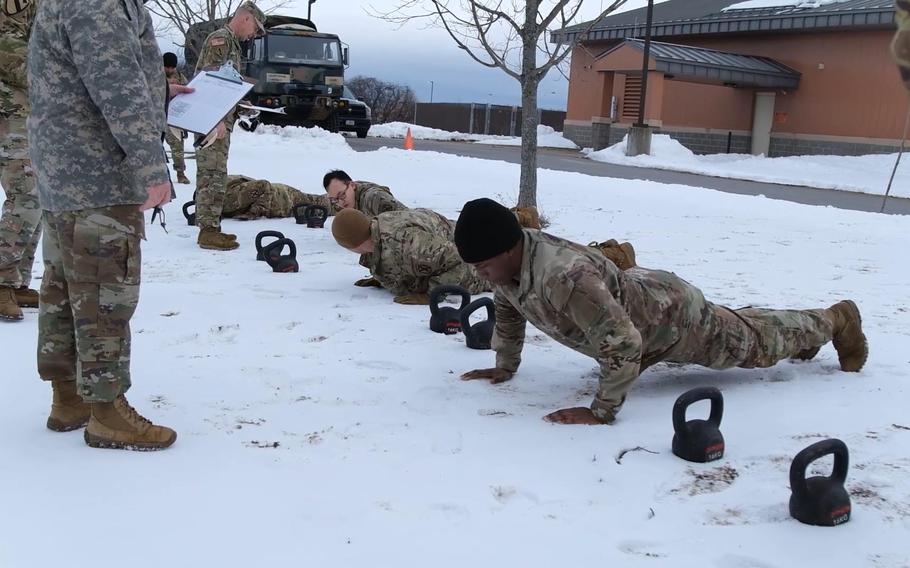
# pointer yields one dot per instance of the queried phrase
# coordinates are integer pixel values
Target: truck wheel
(362, 133)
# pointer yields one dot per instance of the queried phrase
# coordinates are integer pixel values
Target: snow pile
(755, 4)
(322, 424)
(865, 174)
(547, 137)
(315, 139)
(399, 130)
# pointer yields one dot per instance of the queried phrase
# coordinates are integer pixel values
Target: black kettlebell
(281, 262)
(479, 335)
(447, 319)
(820, 500)
(300, 214)
(698, 440)
(315, 216)
(265, 235)
(190, 217)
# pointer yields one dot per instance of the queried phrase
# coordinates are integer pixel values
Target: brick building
(812, 77)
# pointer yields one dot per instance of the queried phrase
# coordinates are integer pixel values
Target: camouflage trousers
(20, 225)
(211, 180)
(176, 143)
(89, 293)
(250, 199)
(749, 337)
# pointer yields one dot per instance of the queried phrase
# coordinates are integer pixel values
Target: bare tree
(389, 102)
(510, 35)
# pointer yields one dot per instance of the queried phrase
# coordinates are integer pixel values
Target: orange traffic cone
(408, 140)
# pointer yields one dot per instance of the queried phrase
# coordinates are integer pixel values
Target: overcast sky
(414, 55)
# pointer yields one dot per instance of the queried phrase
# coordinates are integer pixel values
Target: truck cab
(293, 66)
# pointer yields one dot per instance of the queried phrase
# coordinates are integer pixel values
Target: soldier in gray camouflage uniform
(97, 95)
(247, 198)
(220, 47)
(627, 320)
(367, 197)
(410, 252)
(175, 136)
(20, 226)
(900, 46)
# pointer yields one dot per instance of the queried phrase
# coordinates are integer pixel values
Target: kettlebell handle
(186, 208)
(687, 398)
(440, 292)
(266, 234)
(812, 453)
(300, 213)
(309, 211)
(279, 246)
(473, 307)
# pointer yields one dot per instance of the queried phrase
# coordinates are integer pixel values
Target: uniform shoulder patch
(13, 7)
(217, 41)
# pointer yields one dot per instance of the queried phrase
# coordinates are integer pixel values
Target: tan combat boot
(849, 340)
(213, 239)
(117, 425)
(528, 217)
(182, 179)
(621, 254)
(26, 297)
(9, 307)
(68, 411)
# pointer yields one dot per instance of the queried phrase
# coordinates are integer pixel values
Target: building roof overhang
(700, 65)
(684, 18)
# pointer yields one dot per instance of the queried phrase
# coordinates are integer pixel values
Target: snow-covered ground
(321, 424)
(547, 137)
(865, 174)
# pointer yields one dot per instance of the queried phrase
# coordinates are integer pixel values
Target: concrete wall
(712, 141)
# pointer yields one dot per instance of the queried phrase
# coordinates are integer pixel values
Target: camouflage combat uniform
(174, 137)
(371, 199)
(631, 320)
(95, 131)
(248, 198)
(900, 45)
(20, 225)
(414, 251)
(211, 163)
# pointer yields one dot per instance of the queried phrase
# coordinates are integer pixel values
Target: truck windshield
(302, 49)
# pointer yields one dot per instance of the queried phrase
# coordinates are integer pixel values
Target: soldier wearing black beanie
(485, 229)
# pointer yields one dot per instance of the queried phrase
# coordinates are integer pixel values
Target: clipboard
(215, 96)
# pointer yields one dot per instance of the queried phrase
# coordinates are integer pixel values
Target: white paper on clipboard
(202, 110)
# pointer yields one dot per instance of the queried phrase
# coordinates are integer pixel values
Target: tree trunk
(527, 187)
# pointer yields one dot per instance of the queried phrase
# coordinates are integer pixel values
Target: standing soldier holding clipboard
(220, 47)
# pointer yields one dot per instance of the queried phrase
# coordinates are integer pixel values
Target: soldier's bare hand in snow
(578, 415)
(412, 299)
(368, 283)
(495, 376)
(158, 195)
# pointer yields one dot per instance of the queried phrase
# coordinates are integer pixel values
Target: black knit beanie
(485, 229)
(169, 59)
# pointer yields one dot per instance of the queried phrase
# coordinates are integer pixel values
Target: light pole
(432, 84)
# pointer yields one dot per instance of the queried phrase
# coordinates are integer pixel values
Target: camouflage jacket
(252, 198)
(625, 320)
(16, 17)
(371, 199)
(97, 92)
(220, 47)
(900, 46)
(414, 252)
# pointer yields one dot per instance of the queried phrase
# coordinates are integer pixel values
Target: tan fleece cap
(351, 228)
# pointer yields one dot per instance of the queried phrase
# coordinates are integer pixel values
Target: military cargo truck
(293, 66)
